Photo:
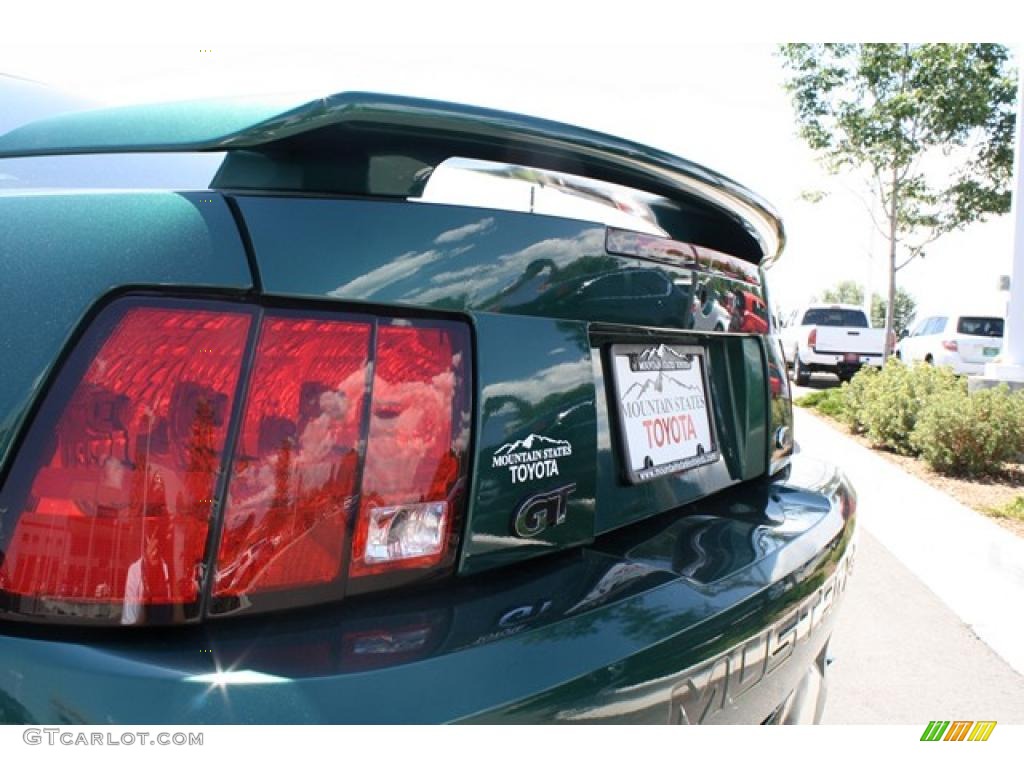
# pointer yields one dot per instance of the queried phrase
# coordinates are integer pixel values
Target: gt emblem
(543, 511)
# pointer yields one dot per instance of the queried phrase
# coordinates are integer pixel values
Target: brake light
(294, 471)
(950, 346)
(117, 510)
(348, 464)
(413, 454)
(812, 339)
(622, 242)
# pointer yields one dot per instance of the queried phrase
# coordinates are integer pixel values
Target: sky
(721, 105)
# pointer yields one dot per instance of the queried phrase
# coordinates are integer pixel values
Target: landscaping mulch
(981, 495)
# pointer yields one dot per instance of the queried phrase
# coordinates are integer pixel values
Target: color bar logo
(958, 730)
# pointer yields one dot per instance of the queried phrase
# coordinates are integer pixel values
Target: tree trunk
(890, 307)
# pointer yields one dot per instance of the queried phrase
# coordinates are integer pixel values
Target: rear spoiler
(364, 143)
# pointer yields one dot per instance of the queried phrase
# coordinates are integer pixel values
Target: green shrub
(827, 401)
(891, 403)
(961, 434)
(855, 396)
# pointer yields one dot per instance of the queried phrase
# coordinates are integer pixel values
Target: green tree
(903, 316)
(844, 292)
(850, 292)
(886, 108)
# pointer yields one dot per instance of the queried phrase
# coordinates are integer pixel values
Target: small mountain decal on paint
(530, 443)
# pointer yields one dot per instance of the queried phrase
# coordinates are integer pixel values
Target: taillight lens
(415, 449)
(624, 242)
(348, 455)
(113, 522)
(812, 339)
(950, 346)
(295, 465)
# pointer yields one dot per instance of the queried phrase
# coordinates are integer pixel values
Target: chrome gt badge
(543, 511)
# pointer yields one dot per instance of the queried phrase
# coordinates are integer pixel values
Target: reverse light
(410, 531)
(414, 451)
(342, 448)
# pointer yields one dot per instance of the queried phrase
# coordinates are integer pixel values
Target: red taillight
(950, 346)
(296, 460)
(114, 496)
(623, 242)
(414, 453)
(812, 339)
(117, 509)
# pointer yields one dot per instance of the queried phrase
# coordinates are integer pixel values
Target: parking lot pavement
(934, 620)
(974, 566)
(903, 657)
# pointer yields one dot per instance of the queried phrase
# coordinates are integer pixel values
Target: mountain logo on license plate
(664, 419)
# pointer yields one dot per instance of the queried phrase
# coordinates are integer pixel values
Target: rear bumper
(833, 361)
(959, 365)
(721, 615)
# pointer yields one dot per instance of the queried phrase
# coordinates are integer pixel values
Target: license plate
(851, 357)
(991, 351)
(664, 412)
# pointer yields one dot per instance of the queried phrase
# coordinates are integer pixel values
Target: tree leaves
(895, 111)
(885, 108)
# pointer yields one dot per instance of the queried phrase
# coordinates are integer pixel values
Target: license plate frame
(636, 370)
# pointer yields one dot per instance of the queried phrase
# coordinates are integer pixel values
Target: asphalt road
(902, 655)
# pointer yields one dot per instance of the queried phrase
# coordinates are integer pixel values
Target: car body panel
(545, 298)
(300, 127)
(929, 336)
(866, 342)
(838, 348)
(977, 350)
(833, 361)
(700, 596)
(638, 627)
(54, 276)
(542, 392)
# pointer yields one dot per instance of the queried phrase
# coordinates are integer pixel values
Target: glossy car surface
(832, 338)
(581, 590)
(964, 342)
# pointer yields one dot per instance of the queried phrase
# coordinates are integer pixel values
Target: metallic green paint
(644, 591)
(534, 378)
(278, 124)
(206, 124)
(62, 253)
(546, 299)
(609, 632)
(737, 383)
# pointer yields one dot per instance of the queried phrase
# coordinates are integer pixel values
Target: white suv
(963, 342)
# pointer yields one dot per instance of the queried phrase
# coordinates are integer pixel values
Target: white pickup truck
(834, 338)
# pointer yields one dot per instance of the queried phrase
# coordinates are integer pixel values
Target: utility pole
(1009, 366)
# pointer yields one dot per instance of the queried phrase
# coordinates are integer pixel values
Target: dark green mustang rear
(346, 435)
